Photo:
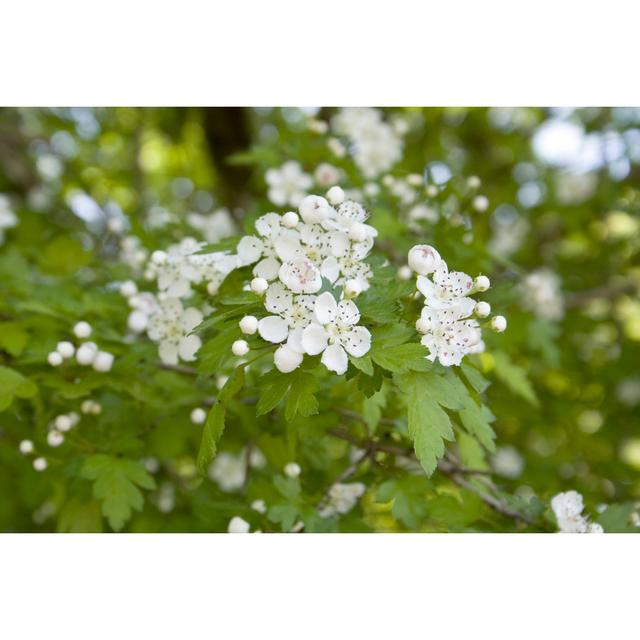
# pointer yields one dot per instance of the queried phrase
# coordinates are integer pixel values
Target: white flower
(170, 327)
(259, 506)
(26, 447)
(334, 333)
(215, 226)
(424, 259)
(238, 525)
(326, 175)
(508, 462)
(447, 289)
(8, 218)
(542, 294)
(301, 276)
(228, 471)
(288, 184)
(342, 498)
(568, 507)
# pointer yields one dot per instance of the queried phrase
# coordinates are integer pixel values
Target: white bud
(405, 273)
(259, 506)
(26, 447)
(128, 288)
(63, 423)
(74, 417)
(54, 438)
(313, 209)
(290, 219)
(357, 232)
(292, 469)
(482, 309)
(424, 259)
(198, 416)
(498, 323)
(259, 286)
(65, 349)
(39, 464)
(414, 179)
(423, 326)
(238, 525)
(90, 406)
(115, 225)
(286, 359)
(335, 195)
(480, 203)
(482, 283)
(240, 348)
(82, 330)
(249, 325)
(432, 191)
(103, 361)
(54, 359)
(158, 257)
(473, 182)
(137, 321)
(352, 288)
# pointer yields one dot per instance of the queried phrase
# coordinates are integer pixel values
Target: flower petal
(314, 339)
(358, 341)
(249, 249)
(273, 329)
(330, 269)
(335, 359)
(287, 247)
(348, 312)
(168, 352)
(277, 298)
(326, 308)
(190, 318)
(188, 346)
(294, 341)
(267, 269)
(268, 225)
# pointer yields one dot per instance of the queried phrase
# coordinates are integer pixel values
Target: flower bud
(473, 182)
(103, 361)
(238, 525)
(290, 219)
(482, 309)
(198, 416)
(128, 289)
(82, 330)
(480, 203)
(65, 349)
(313, 209)
(259, 506)
(405, 273)
(259, 286)
(286, 359)
(423, 326)
(63, 423)
(335, 195)
(137, 321)
(54, 438)
(424, 259)
(54, 359)
(39, 464)
(26, 447)
(482, 283)
(498, 323)
(352, 288)
(240, 348)
(249, 325)
(432, 191)
(292, 469)
(158, 257)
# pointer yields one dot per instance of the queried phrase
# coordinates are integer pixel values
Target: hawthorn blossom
(541, 293)
(170, 326)
(342, 498)
(326, 175)
(288, 184)
(334, 333)
(8, 218)
(567, 508)
(215, 226)
(446, 289)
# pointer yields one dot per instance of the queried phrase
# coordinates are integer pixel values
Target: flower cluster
(541, 293)
(287, 184)
(86, 354)
(374, 144)
(341, 498)
(567, 508)
(293, 254)
(447, 324)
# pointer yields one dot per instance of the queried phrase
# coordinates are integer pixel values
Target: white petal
(277, 298)
(156, 329)
(314, 339)
(326, 308)
(425, 286)
(294, 341)
(339, 244)
(188, 347)
(335, 359)
(268, 225)
(267, 269)
(168, 352)
(287, 247)
(278, 196)
(190, 318)
(358, 341)
(286, 359)
(330, 269)
(249, 249)
(348, 312)
(273, 329)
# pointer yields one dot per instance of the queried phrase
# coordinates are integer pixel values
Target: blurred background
(558, 231)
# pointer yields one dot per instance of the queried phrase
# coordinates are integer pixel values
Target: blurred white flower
(170, 327)
(288, 184)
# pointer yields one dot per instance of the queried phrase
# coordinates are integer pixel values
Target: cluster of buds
(86, 353)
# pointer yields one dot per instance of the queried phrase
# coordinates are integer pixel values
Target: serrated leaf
(232, 386)
(117, 483)
(274, 387)
(363, 364)
(428, 424)
(475, 378)
(401, 358)
(213, 428)
(301, 399)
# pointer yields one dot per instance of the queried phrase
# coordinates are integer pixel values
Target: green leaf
(402, 357)
(476, 420)
(475, 378)
(428, 424)
(63, 256)
(232, 386)
(14, 385)
(514, 377)
(301, 399)
(363, 364)
(213, 428)
(13, 338)
(214, 352)
(117, 483)
(274, 387)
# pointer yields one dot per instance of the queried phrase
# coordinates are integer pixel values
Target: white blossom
(287, 184)
(238, 525)
(541, 294)
(342, 498)
(567, 508)
(170, 326)
(228, 471)
(215, 226)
